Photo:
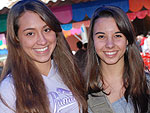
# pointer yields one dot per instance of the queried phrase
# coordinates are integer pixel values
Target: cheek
(51, 38)
(123, 44)
(124, 48)
(27, 43)
(53, 41)
(53, 44)
(98, 46)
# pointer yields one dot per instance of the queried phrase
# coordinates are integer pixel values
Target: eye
(47, 30)
(118, 36)
(101, 36)
(29, 34)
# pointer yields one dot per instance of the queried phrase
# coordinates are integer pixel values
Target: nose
(41, 40)
(110, 42)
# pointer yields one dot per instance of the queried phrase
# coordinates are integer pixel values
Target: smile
(110, 53)
(41, 50)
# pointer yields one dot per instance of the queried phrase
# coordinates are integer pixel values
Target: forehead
(30, 18)
(105, 24)
(28, 15)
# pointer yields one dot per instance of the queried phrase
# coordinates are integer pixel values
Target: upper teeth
(110, 53)
(43, 49)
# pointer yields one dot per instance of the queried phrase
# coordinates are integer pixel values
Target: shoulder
(7, 92)
(7, 84)
(98, 103)
(147, 75)
(96, 98)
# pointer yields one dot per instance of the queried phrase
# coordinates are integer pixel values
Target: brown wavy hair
(134, 77)
(31, 94)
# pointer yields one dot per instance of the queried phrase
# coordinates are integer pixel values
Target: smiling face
(110, 44)
(36, 38)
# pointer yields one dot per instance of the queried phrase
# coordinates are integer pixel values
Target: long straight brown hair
(31, 94)
(134, 77)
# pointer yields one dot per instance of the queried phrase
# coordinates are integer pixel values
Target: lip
(110, 53)
(41, 49)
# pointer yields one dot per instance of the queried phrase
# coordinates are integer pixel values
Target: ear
(17, 39)
(127, 42)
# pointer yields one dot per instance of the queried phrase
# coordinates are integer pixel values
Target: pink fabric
(141, 14)
(131, 16)
(63, 13)
(148, 12)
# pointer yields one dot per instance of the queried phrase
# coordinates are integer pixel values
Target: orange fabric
(136, 5)
(146, 4)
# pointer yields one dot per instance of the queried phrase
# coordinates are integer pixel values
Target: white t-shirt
(60, 97)
(8, 94)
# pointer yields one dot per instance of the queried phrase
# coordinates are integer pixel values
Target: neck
(112, 71)
(44, 67)
(113, 80)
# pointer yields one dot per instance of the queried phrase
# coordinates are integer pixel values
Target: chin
(109, 62)
(43, 60)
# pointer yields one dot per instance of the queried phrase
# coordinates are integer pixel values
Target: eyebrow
(99, 33)
(33, 28)
(118, 32)
(45, 26)
(28, 29)
(104, 33)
